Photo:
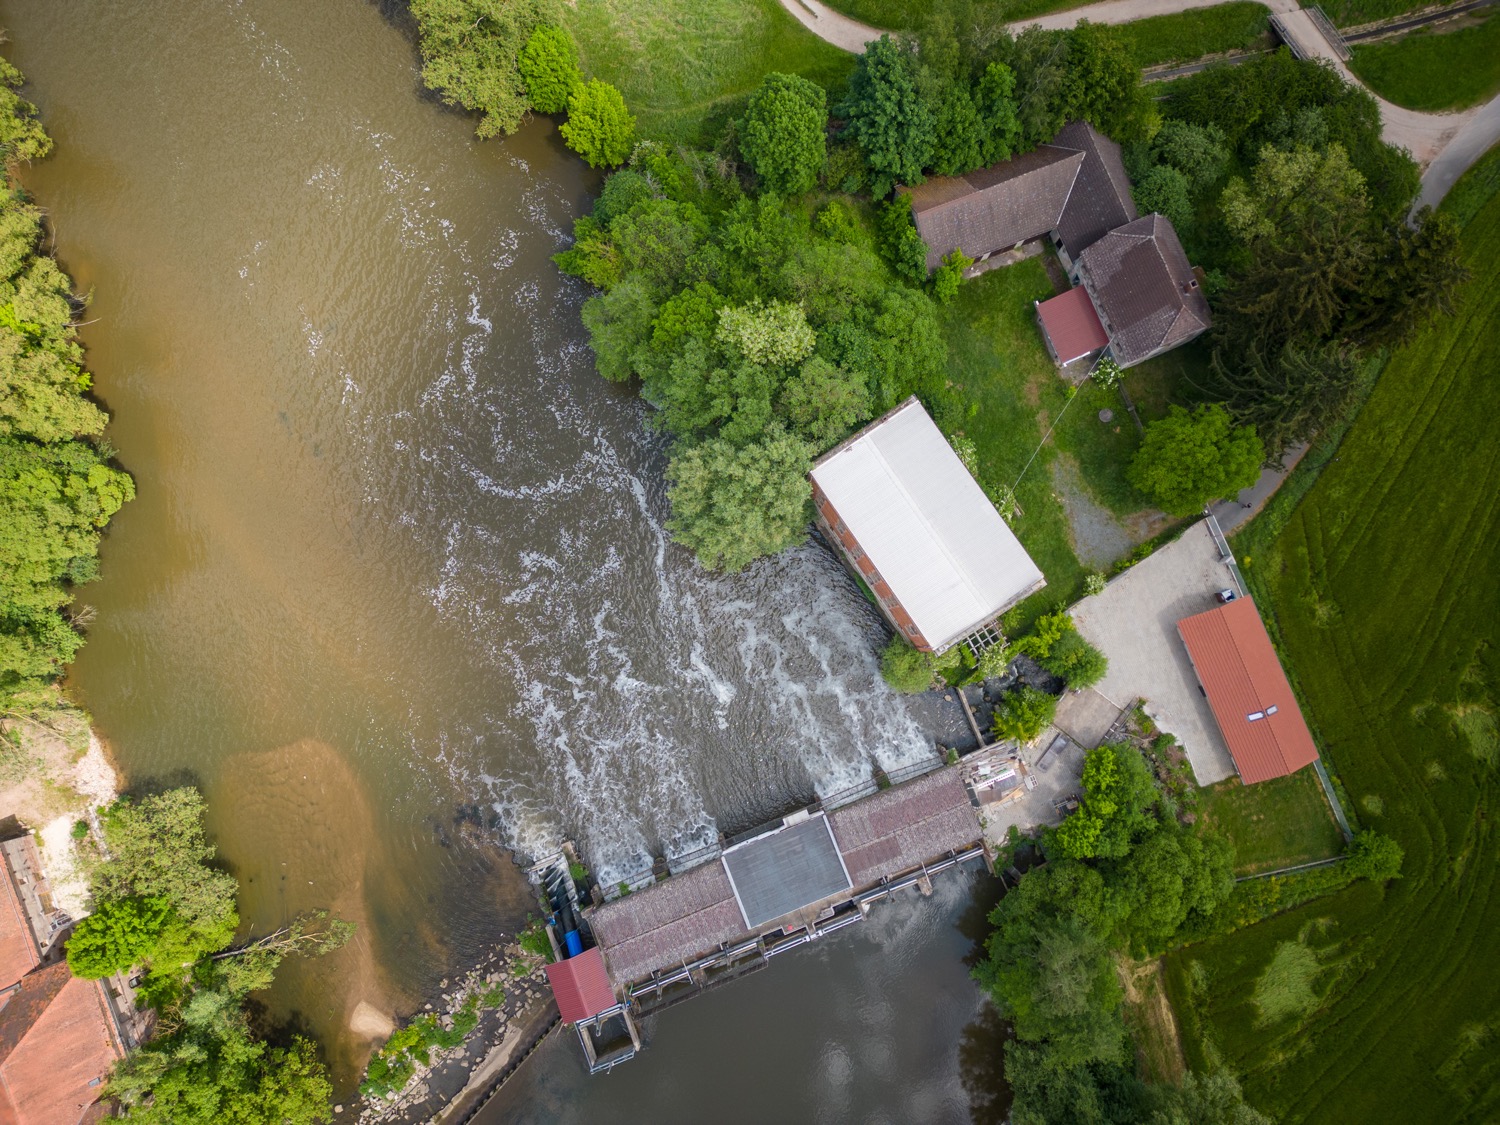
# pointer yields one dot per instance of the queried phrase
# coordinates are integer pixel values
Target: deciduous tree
(471, 52)
(549, 67)
(1187, 459)
(119, 934)
(599, 128)
(784, 133)
(731, 505)
(888, 117)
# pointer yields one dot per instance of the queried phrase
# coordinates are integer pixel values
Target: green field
(907, 15)
(679, 62)
(1428, 70)
(1185, 36)
(1383, 1004)
(1273, 824)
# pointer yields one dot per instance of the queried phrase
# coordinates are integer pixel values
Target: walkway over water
(898, 835)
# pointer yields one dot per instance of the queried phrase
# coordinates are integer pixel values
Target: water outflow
(660, 701)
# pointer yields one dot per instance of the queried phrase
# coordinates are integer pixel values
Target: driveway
(1134, 622)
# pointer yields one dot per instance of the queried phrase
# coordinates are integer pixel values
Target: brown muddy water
(396, 591)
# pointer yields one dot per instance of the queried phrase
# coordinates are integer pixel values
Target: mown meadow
(1383, 1003)
(1434, 70)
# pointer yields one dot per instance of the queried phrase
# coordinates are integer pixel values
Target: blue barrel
(573, 942)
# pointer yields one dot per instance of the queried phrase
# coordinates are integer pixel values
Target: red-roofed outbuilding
(1248, 691)
(1071, 325)
(581, 986)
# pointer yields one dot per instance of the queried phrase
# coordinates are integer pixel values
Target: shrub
(533, 939)
(783, 134)
(950, 275)
(599, 127)
(1094, 584)
(900, 242)
(1023, 714)
(1077, 662)
(1374, 857)
(549, 67)
(80, 829)
(904, 668)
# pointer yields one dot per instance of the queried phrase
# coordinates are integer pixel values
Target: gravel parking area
(1134, 621)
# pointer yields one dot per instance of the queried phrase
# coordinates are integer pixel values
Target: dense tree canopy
(784, 133)
(121, 933)
(471, 52)
(1189, 458)
(57, 488)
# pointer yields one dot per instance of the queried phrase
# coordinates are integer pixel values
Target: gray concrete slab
(1086, 716)
(1134, 622)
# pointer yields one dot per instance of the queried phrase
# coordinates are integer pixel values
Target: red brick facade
(835, 531)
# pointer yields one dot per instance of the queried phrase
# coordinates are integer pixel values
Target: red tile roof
(18, 952)
(1072, 325)
(581, 986)
(1248, 691)
(57, 1044)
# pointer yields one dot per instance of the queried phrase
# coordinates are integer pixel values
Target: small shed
(581, 986)
(785, 869)
(914, 524)
(1248, 691)
(1070, 326)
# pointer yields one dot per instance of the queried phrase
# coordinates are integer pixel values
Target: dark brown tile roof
(1075, 185)
(996, 207)
(1248, 691)
(905, 825)
(1100, 200)
(18, 952)
(57, 1043)
(667, 923)
(1143, 289)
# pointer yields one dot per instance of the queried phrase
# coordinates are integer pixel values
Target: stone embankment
(457, 1081)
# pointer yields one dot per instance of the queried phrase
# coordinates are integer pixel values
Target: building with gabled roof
(1148, 298)
(914, 524)
(1073, 189)
(1248, 691)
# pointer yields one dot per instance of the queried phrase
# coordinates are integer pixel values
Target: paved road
(1444, 144)
(832, 27)
(1232, 513)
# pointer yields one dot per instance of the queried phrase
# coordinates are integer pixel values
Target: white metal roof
(926, 525)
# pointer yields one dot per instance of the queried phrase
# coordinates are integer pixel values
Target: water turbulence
(389, 514)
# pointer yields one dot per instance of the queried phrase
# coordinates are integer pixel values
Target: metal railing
(1325, 25)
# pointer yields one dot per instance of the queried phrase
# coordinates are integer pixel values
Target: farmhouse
(1248, 691)
(1073, 190)
(912, 522)
(1135, 295)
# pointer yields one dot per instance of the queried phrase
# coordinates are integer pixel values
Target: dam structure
(751, 898)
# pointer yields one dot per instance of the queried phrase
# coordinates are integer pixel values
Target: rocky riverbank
(455, 1082)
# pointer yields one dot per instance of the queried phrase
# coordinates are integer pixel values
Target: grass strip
(1432, 70)
(1185, 36)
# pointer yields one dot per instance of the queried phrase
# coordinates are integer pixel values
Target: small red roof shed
(1248, 691)
(581, 986)
(1071, 325)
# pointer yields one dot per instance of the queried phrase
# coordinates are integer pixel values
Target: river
(396, 591)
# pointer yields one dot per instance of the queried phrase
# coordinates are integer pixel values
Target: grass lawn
(1273, 824)
(1352, 13)
(1103, 450)
(679, 62)
(999, 363)
(1434, 71)
(1185, 36)
(907, 15)
(1383, 1003)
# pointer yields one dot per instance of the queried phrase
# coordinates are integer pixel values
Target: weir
(754, 897)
